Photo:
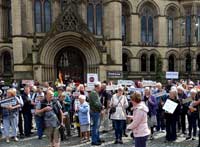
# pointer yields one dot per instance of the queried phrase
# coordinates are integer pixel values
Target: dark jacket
(27, 104)
(94, 102)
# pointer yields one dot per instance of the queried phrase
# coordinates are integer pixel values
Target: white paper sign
(92, 78)
(172, 75)
(170, 106)
(146, 83)
(125, 82)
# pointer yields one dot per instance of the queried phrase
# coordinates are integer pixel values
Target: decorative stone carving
(69, 21)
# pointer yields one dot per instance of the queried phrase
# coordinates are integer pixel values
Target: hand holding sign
(170, 106)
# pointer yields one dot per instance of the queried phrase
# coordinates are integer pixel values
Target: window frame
(42, 15)
(96, 3)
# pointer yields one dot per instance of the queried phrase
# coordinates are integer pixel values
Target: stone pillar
(56, 9)
(193, 65)
(135, 29)
(135, 64)
(30, 17)
(1, 22)
(83, 10)
(113, 29)
(162, 31)
(17, 31)
(165, 64)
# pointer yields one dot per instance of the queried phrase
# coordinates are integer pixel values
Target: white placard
(136, 89)
(125, 82)
(111, 87)
(170, 106)
(92, 78)
(149, 83)
(172, 75)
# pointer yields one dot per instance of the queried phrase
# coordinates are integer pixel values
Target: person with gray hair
(192, 115)
(151, 103)
(171, 119)
(95, 111)
(120, 103)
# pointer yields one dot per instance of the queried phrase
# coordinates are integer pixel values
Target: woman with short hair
(171, 118)
(120, 103)
(10, 112)
(139, 125)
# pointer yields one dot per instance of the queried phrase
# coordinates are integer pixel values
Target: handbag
(113, 108)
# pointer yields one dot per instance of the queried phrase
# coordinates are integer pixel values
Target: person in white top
(119, 103)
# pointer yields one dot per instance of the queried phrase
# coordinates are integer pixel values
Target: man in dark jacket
(26, 111)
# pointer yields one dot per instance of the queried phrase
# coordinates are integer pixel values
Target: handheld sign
(187, 100)
(170, 106)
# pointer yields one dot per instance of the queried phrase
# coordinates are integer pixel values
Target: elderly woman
(84, 118)
(10, 111)
(139, 124)
(171, 119)
(120, 103)
(192, 115)
(183, 108)
(151, 103)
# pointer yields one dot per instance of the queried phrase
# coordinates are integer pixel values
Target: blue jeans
(39, 124)
(118, 126)
(140, 141)
(95, 117)
(10, 122)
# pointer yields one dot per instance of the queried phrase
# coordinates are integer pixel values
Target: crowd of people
(55, 110)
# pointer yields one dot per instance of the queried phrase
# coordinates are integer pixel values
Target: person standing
(183, 108)
(171, 119)
(120, 103)
(192, 116)
(10, 112)
(84, 118)
(151, 103)
(105, 101)
(53, 118)
(26, 111)
(139, 125)
(95, 111)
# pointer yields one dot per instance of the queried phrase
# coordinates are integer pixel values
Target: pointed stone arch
(148, 2)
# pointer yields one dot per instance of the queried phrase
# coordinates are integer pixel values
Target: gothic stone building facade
(41, 38)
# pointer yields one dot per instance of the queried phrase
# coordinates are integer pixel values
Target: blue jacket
(84, 114)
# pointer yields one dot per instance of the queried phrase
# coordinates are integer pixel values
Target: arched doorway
(71, 63)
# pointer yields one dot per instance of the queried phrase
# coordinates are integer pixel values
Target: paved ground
(108, 137)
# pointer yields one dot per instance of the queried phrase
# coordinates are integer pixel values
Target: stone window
(94, 16)
(126, 24)
(188, 64)
(171, 20)
(147, 24)
(188, 25)
(144, 62)
(171, 63)
(198, 24)
(125, 60)
(7, 66)
(42, 12)
(152, 63)
(198, 62)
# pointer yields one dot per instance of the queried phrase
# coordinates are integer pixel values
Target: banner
(149, 83)
(111, 87)
(172, 75)
(126, 82)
